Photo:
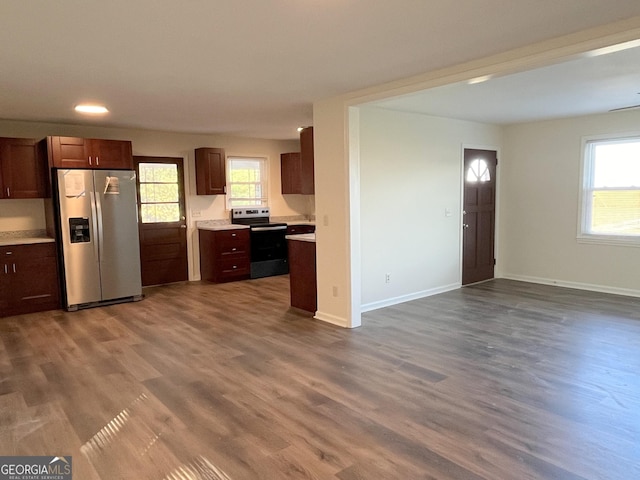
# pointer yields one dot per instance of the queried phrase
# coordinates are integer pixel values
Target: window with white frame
(611, 191)
(246, 182)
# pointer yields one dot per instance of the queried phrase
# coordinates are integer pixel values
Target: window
(611, 191)
(159, 193)
(246, 182)
(478, 171)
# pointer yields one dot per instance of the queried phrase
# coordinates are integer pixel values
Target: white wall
(28, 214)
(539, 207)
(410, 173)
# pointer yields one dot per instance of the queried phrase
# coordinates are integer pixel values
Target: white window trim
(586, 180)
(265, 182)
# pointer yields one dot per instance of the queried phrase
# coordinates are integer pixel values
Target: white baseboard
(577, 285)
(332, 319)
(367, 307)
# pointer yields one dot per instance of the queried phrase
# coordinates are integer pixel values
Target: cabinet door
(306, 161)
(210, 171)
(23, 169)
(111, 154)
(290, 173)
(32, 278)
(68, 152)
(4, 283)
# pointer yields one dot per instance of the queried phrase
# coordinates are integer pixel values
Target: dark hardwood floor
(501, 380)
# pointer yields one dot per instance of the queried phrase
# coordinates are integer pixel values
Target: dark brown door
(479, 215)
(161, 220)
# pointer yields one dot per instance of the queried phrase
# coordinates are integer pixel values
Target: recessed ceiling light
(91, 109)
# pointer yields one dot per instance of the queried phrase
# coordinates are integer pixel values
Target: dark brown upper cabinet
(23, 169)
(75, 152)
(210, 171)
(290, 172)
(296, 169)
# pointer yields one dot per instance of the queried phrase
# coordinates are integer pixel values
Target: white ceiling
(250, 67)
(587, 85)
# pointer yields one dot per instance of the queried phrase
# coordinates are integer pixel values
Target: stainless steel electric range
(268, 244)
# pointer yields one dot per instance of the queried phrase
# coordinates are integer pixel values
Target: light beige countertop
(301, 222)
(20, 238)
(303, 237)
(218, 225)
(294, 219)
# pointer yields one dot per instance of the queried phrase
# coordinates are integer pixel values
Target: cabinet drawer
(239, 265)
(230, 241)
(299, 229)
(31, 252)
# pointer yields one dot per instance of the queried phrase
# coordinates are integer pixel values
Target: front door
(478, 218)
(163, 230)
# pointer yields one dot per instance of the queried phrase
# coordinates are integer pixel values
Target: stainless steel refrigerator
(98, 235)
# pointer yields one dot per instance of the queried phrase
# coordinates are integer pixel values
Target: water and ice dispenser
(79, 230)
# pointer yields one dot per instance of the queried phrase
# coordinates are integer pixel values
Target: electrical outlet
(387, 278)
(335, 291)
(196, 213)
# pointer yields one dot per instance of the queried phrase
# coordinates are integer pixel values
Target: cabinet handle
(97, 161)
(89, 160)
(235, 266)
(233, 249)
(234, 234)
(14, 268)
(6, 270)
(8, 192)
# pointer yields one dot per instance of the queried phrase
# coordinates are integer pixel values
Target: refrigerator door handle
(95, 209)
(100, 226)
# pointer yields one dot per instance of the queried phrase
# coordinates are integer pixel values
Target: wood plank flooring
(501, 380)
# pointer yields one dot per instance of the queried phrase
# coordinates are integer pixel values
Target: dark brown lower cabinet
(28, 279)
(302, 274)
(224, 255)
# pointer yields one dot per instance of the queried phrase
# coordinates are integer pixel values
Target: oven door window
(268, 245)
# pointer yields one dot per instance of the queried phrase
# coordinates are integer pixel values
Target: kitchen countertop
(225, 225)
(216, 225)
(8, 241)
(301, 222)
(303, 237)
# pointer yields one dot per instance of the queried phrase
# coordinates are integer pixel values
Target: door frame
(497, 272)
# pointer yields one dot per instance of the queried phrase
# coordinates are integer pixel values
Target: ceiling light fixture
(95, 109)
(481, 79)
(613, 48)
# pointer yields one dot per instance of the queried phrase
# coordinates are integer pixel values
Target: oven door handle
(268, 229)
